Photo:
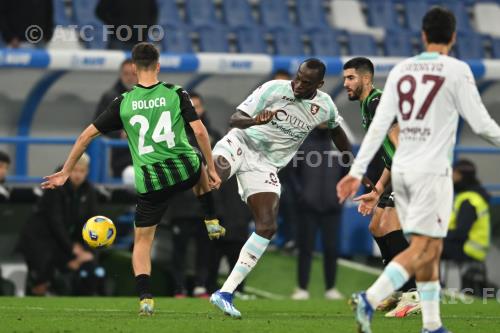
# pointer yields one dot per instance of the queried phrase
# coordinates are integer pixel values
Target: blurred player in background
(164, 161)
(51, 238)
(4, 169)
(428, 93)
(120, 156)
(384, 225)
(268, 129)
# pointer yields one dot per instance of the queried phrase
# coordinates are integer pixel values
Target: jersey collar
(149, 87)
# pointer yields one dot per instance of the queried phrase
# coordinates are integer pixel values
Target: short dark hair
(316, 64)
(145, 55)
(4, 157)
(195, 95)
(360, 64)
(439, 25)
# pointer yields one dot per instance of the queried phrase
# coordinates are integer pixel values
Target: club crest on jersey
(314, 109)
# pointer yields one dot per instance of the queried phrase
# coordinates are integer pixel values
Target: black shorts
(152, 205)
(387, 198)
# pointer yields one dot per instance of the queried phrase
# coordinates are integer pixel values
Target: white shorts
(254, 173)
(423, 202)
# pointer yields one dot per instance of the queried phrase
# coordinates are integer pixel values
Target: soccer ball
(99, 232)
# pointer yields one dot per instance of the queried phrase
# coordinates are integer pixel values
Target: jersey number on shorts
(407, 95)
(162, 131)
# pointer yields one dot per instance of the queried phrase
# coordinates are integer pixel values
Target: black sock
(384, 249)
(142, 282)
(397, 243)
(207, 202)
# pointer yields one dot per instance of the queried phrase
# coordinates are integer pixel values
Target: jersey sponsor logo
(415, 133)
(149, 103)
(282, 115)
(273, 180)
(286, 98)
(314, 109)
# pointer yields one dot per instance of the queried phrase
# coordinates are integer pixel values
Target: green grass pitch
(67, 315)
(274, 274)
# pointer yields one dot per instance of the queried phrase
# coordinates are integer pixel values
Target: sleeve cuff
(356, 172)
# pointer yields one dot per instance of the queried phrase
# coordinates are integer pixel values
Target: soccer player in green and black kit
(384, 225)
(153, 115)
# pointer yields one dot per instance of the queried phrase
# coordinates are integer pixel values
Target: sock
(249, 255)
(396, 243)
(384, 249)
(142, 282)
(429, 298)
(207, 202)
(391, 279)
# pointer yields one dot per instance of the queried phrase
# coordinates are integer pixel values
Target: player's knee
(266, 229)
(144, 235)
(376, 227)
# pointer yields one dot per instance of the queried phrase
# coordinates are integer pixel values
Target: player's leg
(149, 210)
(405, 301)
(426, 216)
(264, 208)
(307, 227)
(378, 234)
(141, 263)
(429, 288)
(329, 224)
(205, 196)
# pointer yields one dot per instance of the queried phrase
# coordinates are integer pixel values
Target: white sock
(249, 255)
(429, 298)
(392, 278)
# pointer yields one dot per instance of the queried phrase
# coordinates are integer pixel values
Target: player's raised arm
(81, 144)
(201, 134)
(471, 107)
(242, 120)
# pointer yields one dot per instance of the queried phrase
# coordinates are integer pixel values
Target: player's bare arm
(368, 202)
(201, 134)
(340, 141)
(242, 120)
(59, 178)
(393, 134)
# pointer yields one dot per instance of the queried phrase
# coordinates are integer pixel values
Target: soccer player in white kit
(268, 129)
(427, 94)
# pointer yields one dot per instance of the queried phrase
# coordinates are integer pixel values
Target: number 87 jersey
(427, 94)
(154, 120)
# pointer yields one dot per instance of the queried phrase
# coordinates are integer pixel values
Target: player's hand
(73, 265)
(264, 117)
(214, 180)
(347, 187)
(367, 202)
(55, 180)
(214, 229)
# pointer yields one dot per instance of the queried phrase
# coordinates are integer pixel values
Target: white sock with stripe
(249, 255)
(429, 298)
(393, 277)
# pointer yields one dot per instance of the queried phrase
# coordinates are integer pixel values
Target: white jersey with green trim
(279, 140)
